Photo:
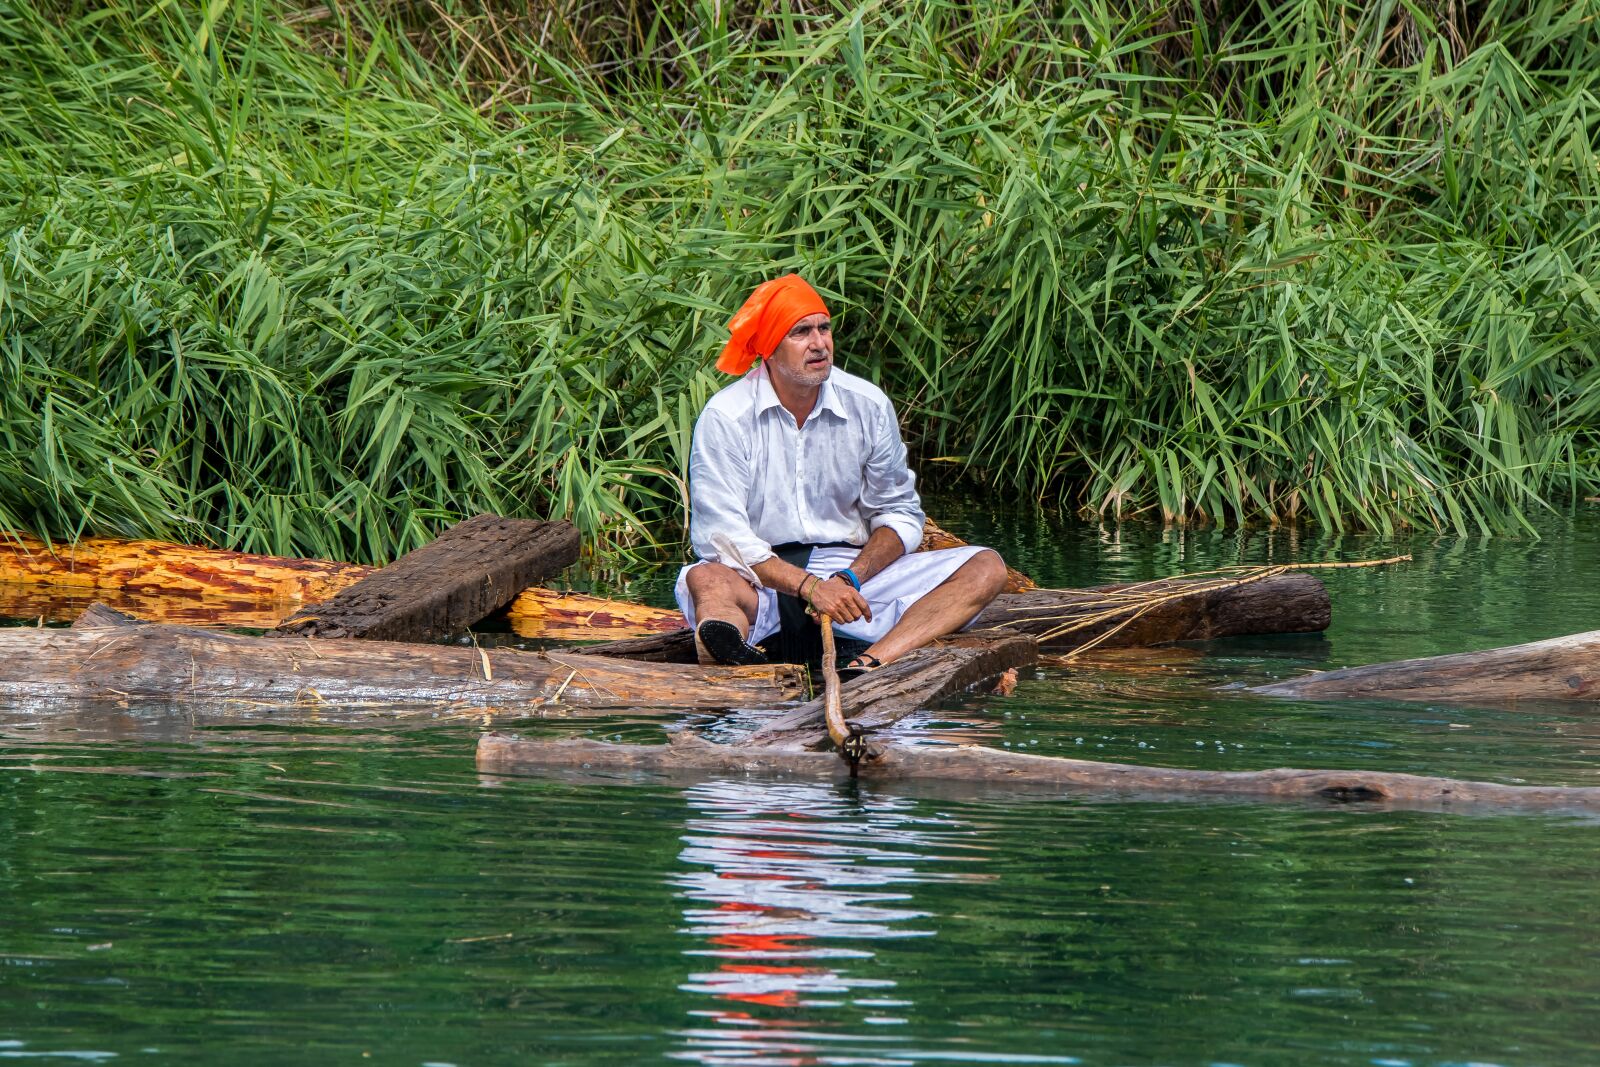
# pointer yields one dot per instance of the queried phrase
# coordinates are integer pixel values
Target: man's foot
(725, 645)
(865, 663)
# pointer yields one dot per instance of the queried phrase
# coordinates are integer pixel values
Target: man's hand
(838, 599)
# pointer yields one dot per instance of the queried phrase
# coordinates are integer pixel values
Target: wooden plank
(470, 571)
(1562, 668)
(1151, 615)
(159, 661)
(687, 753)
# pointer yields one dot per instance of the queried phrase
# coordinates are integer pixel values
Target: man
(801, 501)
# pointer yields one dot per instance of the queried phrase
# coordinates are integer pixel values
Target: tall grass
(319, 280)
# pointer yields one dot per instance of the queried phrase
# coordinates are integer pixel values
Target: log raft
(107, 658)
(1065, 619)
(1562, 668)
(165, 582)
(500, 753)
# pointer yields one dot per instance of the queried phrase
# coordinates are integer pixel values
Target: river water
(178, 886)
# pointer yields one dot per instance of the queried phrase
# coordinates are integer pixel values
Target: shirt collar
(828, 398)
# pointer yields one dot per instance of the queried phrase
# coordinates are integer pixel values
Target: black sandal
(724, 644)
(865, 663)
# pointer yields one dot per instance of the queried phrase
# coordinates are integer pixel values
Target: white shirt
(755, 480)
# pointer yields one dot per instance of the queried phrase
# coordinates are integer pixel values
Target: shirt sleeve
(889, 489)
(719, 491)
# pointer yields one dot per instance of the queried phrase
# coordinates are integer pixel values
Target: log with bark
(106, 657)
(1562, 668)
(165, 582)
(467, 573)
(500, 753)
(1113, 616)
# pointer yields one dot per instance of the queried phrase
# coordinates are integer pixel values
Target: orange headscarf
(760, 324)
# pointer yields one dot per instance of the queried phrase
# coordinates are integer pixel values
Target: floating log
(185, 663)
(507, 754)
(470, 571)
(1113, 616)
(164, 582)
(1562, 668)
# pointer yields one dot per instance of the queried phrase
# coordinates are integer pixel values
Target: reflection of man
(800, 498)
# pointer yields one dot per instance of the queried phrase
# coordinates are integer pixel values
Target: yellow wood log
(197, 586)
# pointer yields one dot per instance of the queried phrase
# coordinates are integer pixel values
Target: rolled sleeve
(889, 488)
(719, 491)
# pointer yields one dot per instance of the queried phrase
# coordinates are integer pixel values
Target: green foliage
(319, 281)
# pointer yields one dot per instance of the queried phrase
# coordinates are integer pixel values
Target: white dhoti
(890, 592)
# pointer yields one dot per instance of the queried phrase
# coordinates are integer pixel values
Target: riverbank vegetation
(311, 280)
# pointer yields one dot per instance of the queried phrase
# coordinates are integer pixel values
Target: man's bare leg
(720, 592)
(946, 609)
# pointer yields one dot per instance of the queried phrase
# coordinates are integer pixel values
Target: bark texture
(507, 754)
(1562, 668)
(1153, 615)
(184, 663)
(470, 571)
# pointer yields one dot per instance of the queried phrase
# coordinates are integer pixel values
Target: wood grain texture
(199, 586)
(467, 573)
(184, 663)
(1561, 668)
(508, 754)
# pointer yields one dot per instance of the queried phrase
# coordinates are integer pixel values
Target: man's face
(805, 355)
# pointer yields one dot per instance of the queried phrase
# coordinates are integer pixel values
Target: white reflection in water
(795, 883)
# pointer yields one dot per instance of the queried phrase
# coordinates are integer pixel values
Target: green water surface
(178, 886)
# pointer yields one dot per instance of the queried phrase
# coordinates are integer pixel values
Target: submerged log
(1116, 616)
(184, 663)
(1562, 668)
(508, 754)
(470, 571)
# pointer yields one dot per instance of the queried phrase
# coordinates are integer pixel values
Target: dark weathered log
(1562, 668)
(905, 686)
(472, 570)
(184, 663)
(507, 754)
(1290, 603)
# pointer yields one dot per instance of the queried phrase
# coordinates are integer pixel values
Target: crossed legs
(720, 593)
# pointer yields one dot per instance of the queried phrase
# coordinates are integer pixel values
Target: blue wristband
(849, 576)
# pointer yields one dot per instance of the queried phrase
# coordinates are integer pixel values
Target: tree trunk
(1145, 613)
(502, 753)
(467, 573)
(183, 663)
(1562, 668)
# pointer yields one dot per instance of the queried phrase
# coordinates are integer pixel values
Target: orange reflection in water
(791, 886)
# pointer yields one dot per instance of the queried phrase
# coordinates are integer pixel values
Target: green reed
(320, 280)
